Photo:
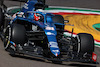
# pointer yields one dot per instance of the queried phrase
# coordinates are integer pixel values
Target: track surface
(94, 4)
(20, 61)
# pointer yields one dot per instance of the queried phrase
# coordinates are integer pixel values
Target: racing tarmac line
(14, 7)
(83, 21)
(74, 8)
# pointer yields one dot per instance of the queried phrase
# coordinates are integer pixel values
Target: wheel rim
(79, 46)
(6, 38)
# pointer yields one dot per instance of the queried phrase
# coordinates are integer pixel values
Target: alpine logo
(53, 44)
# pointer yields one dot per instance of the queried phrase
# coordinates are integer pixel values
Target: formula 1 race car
(33, 32)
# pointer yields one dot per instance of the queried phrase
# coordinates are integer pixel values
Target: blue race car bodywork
(34, 32)
(29, 9)
(50, 33)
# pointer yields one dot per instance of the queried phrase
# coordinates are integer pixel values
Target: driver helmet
(38, 16)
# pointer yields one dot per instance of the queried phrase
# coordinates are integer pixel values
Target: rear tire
(1, 19)
(58, 19)
(85, 43)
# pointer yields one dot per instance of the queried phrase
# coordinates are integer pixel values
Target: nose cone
(55, 51)
(54, 48)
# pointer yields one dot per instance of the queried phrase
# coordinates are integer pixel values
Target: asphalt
(93, 4)
(23, 61)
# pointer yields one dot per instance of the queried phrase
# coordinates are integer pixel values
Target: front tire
(6, 39)
(85, 43)
(18, 33)
(15, 33)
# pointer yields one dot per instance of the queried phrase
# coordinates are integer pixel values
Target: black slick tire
(18, 34)
(85, 43)
(1, 19)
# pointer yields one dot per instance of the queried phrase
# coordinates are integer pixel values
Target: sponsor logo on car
(53, 44)
(49, 33)
(49, 28)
